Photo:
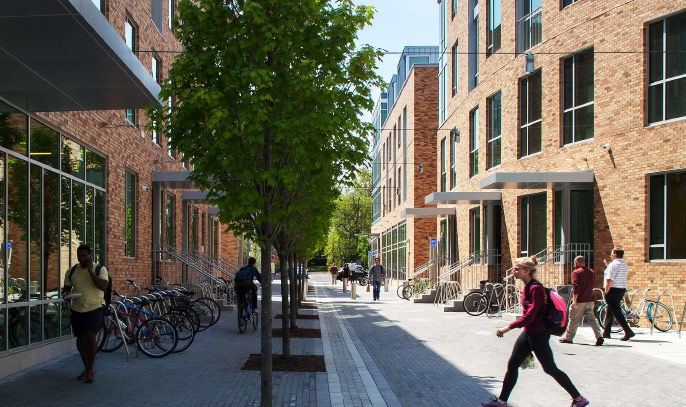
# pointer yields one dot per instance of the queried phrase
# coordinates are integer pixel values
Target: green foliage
(353, 215)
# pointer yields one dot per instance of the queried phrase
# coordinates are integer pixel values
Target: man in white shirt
(615, 286)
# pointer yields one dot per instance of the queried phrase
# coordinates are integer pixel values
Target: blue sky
(398, 23)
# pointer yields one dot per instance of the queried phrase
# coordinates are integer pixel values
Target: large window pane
(170, 210)
(583, 78)
(655, 56)
(3, 337)
(568, 127)
(18, 326)
(100, 219)
(657, 211)
(535, 138)
(65, 232)
(17, 230)
(51, 320)
(90, 224)
(51, 233)
(73, 155)
(13, 129)
(655, 108)
(568, 81)
(95, 168)
(130, 216)
(676, 45)
(494, 130)
(44, 144)
(35, 287)
(35, 319)
(675, 101)
(3, 246)
(583, 123)
(676, 216)
(475, 230)
(537, 223)
(78, 218)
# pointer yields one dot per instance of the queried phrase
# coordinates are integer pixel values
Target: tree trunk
(294, 302)
(285, 335)
(266, 328)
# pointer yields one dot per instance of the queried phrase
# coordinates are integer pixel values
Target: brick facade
(620, 120)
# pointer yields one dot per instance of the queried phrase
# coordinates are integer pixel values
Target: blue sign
(9, 245)
(370, 253)
(433, 242)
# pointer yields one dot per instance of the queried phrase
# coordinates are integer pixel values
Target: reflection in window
(65, 233)
(130, 116)
(17, 228)
(494, 17)
(494, 131)
(529, 24)
(130, 216)
(668, 216)
(474, 142)
(530, 114)
(667, 69)
(44, 144)
(95, 168)
(13, 129)
(130, 34)
(3, 320)
(18, 327)
(577, 96)
(474, 230)
(35, 289)
(533, 224)
(2, 246)
(78, 218)
(73, 156)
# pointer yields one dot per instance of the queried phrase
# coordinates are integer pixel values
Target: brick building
(404, 163)
(78, 166)
(564, 122)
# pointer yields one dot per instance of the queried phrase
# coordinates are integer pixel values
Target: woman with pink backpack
(535, 337)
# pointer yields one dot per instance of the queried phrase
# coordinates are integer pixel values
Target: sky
(398, 23)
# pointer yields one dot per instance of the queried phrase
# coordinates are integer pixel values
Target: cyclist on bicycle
(244, 282)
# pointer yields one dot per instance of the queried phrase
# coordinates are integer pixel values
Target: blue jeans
(377, 289)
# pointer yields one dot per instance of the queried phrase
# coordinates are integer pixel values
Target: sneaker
(599, 342)
(494, 403)
(628, 336)
(580, 403)
(565, 340)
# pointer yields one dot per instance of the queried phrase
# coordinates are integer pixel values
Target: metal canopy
(537, 180)
(426, 212)
(63, 55)
(194, 196)
(476, 197)
(212, 210)
(173, 179)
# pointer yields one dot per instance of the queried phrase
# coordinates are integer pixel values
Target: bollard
(345, 285)
(353, 290)
(385, 285)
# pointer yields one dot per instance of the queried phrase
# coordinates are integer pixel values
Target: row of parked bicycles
(494, 299)
(165, 320)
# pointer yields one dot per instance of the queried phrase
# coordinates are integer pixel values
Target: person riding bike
(244, 282)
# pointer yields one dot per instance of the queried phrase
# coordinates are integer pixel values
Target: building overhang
(63, 55)
(194, 196)
(212, 210)
(476, 197)
(537, 180)
(172, 179)
(426, 212)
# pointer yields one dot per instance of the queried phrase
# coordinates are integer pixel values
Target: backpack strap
(71, 272)
(97, 269)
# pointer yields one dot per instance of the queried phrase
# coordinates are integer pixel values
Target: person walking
(377, 273)
(535, 338)
(616, 275)
(583, 280)
(333, 270)
(346, 277)
(86, 309)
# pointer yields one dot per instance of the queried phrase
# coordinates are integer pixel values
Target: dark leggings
(539, 343)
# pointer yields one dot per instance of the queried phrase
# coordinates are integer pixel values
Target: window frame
(574, 107)
(665, 216)
(526, 20)
(130, 252)
(454, 138)
(529, 123)
(130, 22)
(455, 68)
(443, 181)
(492, 46)
(134, 116)
(490, 128)
(474, 142)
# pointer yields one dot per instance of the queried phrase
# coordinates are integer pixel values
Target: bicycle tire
(204, 314)
(214, 306)
(255, 319)
(602, 316)
(184, 328)
(242, 320)
(662, 324)
(156, 338)
(475, 304)
(110, 339)
(407, 292)
(399, 291)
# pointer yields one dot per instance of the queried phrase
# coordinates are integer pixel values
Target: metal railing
(213, 264)
(424, 268)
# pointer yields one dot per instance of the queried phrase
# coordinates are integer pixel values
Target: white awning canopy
(537, 180)
(475, 197)
(426, 212)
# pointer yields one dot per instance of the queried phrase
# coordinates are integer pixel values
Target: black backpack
(108, 290)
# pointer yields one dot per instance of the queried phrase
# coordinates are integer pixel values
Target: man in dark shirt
(583, 280)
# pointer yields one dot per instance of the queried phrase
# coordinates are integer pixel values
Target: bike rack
(681, 323)
(671, 298)
(121, 332)
(633, 293)
(496, 287)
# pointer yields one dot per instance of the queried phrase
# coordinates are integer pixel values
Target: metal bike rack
(681, 323)
(657, 303)
(121, 332)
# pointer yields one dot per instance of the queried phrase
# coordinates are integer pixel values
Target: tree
(265, 95)
(353, 216)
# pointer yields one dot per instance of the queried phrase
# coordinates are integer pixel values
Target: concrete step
(428, 297)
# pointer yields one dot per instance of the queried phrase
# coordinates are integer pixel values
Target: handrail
(209, 262)
(656, 306)
(425, 267)
(225, 262)
(681, 323)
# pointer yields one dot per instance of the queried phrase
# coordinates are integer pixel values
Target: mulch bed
(294, 363)
(299, 316)
(299, 333)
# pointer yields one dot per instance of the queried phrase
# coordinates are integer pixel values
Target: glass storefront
(394, 251)
(52, 199)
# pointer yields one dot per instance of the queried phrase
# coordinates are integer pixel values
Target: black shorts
(83, 322)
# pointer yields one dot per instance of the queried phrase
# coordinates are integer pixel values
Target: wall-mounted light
(421, 168)
(529, 65)
(455, 134)
(145, 187)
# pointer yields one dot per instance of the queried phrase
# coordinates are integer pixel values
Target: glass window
(443, 165)
(3, 246)
(171, 8)
(474, 45)
(454, 8)
(566, 3)
(474, 142)
(100, 4)
(194, 228)
(455, 79)
(405, 153)
(17, 230)
(533, 224)
(78, 218)
(530, 102)
(474, 230)
(414, 60)
(169, 214)
(95, 168)
(529, 24)
(35, 243)
(453, 159)
(130, 115)
(130, 34)
(156, 14)
(18, 326)
(493, 152)
(14, 128)
(130, 216)
(73, 158)
(667, 69)
(668, 216)
(44, 144)
(65, 233)
(400, 185)
(156, 68)
(493, 38)
(577, 96)
(99, 250)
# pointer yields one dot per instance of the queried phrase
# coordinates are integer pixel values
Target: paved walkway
(386, 353)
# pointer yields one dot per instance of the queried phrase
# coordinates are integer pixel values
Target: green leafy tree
(266, 94)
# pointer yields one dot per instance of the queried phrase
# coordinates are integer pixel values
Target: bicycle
(416, 288)
(492, 298)
(663, 316)
(246, 313)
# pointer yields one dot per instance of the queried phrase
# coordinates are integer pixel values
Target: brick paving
(387, 353)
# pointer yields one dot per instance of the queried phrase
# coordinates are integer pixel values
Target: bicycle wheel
(475, 304)
(407, 292)
(242, 320)
(204, 313)
(663, 318)
(255, 319)
(184, 329)
(156, 338)
(602, 317)
(399, 291)
(216, 309)
(110, 338)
